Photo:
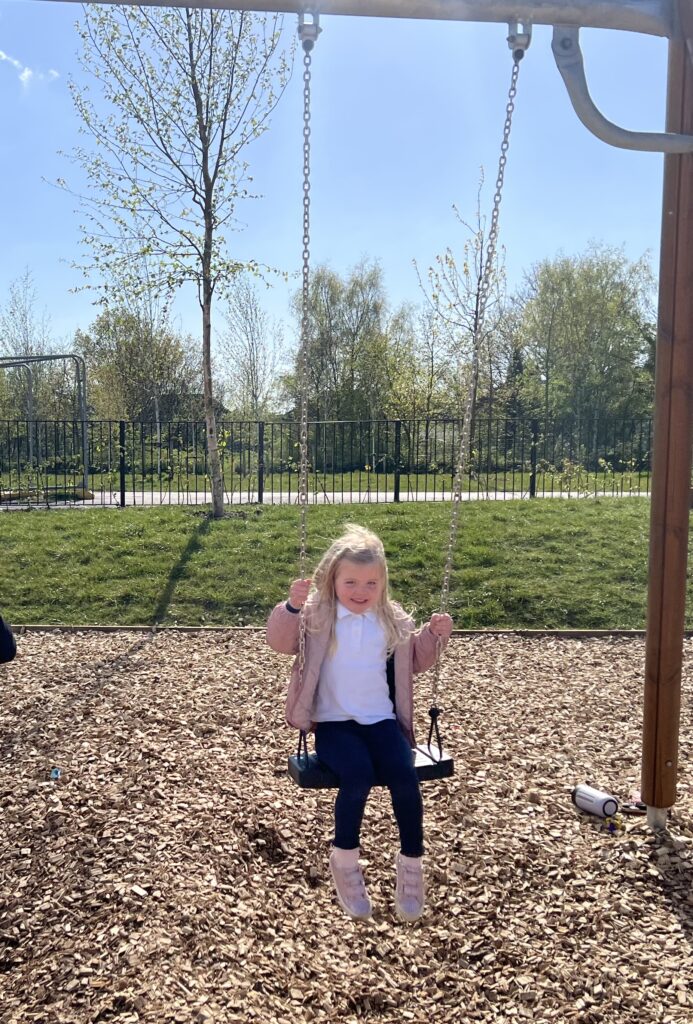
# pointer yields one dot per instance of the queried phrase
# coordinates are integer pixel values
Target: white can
(594, 801)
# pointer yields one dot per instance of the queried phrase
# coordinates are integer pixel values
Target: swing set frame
(673, 411)
(652, 17)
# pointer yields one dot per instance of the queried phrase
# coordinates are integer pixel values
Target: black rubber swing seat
(431, 760)
(308, 772)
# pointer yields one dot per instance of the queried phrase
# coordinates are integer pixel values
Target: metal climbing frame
(22, 364)
(81, 385)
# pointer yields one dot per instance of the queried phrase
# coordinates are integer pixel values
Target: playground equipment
(669, 521)
(7, 363)
(81, 385)
(430, 759)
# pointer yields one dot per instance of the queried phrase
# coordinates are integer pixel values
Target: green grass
(542, 564)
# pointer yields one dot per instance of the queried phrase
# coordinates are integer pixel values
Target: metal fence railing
(43, 462)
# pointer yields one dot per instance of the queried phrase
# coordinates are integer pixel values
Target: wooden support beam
(673, 431)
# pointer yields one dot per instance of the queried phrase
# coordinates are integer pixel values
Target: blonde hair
(357, 544)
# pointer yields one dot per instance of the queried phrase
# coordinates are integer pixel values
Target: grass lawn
(541, 564)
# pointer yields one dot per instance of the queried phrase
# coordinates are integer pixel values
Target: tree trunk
(158, 432)
(210, 419)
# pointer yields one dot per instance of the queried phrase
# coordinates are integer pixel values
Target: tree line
(574, 342)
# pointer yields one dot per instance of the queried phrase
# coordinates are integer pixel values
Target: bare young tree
(185, 91)
(251, 349)
(26, 331)
(23, 330)
(453, 290)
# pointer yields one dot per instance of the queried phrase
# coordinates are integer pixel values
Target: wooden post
(673, 427)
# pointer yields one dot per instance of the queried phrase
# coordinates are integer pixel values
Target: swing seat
(308, 772)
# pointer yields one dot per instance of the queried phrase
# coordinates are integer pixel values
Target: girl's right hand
(298, 593)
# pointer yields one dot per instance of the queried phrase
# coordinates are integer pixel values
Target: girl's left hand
(440, 625)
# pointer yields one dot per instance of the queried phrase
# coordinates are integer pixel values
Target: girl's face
(358, 586)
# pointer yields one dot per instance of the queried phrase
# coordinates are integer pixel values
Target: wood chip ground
(173, 874)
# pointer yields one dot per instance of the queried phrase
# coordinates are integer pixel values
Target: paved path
(195, 498)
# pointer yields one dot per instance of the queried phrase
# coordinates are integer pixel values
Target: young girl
(363, 727)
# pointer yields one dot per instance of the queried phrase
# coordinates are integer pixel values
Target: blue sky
(404, 115)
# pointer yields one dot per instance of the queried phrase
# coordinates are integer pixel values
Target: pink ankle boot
(348, 879)
(409, 899)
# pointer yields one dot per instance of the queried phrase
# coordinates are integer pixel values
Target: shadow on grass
(191, 548)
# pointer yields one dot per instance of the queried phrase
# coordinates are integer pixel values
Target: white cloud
(26, 74)
(10, 60)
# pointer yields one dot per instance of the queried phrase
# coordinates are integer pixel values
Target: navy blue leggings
(359, 755)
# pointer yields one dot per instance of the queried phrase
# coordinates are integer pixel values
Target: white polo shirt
(353, 680)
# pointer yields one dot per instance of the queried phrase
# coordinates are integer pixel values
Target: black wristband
(290, 608)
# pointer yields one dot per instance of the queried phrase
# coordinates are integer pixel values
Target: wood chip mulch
(172, 873)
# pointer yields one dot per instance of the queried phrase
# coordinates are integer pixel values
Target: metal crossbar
(651, 17)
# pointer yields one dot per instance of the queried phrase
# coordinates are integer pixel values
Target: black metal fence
(122, 463)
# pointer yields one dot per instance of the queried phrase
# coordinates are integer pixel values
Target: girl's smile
(358, 586)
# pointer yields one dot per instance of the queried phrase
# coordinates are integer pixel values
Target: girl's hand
(298, 593)
(440, 625)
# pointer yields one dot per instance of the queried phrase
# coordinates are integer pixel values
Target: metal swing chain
(308, 32)
(484, 289)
